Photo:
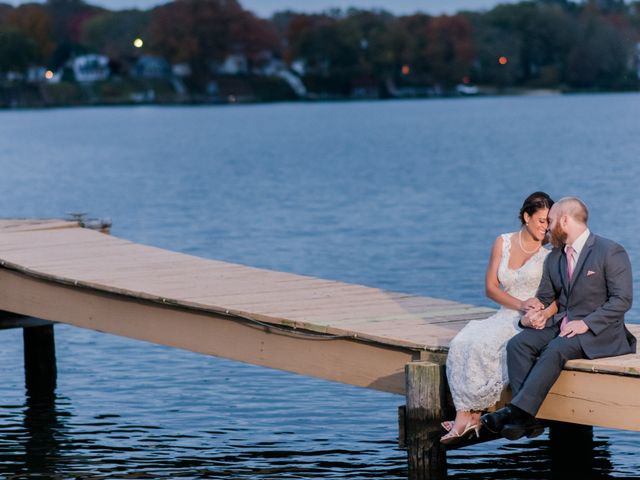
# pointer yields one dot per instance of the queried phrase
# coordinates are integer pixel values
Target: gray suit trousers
(535, 359)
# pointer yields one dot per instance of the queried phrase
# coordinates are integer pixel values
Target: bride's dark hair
(534, 202)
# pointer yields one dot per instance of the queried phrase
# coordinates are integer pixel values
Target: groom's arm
(546, 293)
(620, 287)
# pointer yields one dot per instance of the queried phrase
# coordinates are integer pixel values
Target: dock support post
(568, 441)
(39, 359)
(426, 395)
(561, 432)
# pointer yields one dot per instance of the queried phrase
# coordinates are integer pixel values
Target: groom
(589, 277)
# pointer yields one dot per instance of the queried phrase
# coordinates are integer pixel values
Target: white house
(233, 65)
(90, 68)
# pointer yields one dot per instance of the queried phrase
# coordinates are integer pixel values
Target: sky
(264, 8)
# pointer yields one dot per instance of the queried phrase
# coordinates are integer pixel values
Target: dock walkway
(56, 271)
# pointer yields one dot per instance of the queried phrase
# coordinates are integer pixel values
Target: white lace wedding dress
(477, 359)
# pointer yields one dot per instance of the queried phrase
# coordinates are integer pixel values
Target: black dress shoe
(495, 422)
(522, 425)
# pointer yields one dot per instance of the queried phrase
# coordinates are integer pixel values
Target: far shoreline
(507, 93)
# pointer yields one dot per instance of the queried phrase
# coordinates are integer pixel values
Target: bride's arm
(492, 284)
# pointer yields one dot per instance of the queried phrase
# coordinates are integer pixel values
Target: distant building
(149, 66)
(13, 76)
(181, 70)
(299, 67)
(233, 65)
(36, 74)
(90, 68)
(465, 89)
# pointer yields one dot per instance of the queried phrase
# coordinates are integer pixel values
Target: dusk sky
(265, 8)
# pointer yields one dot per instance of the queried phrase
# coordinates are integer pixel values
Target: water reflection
(45, 443)
(32, 436)
(566, 453)
(44, 433)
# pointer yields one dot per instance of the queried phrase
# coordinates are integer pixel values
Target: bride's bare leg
(466, 423)
(475, 417)
(462, 419)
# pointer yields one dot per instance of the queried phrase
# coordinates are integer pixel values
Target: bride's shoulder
(501, 244)
(506, 237)
(503, 239)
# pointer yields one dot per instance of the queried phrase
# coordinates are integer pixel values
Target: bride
(476, 363)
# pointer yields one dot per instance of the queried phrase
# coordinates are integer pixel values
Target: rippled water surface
(406, 196)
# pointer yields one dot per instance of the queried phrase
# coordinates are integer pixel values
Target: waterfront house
(235, 64)
(90, 68)
(151, 66)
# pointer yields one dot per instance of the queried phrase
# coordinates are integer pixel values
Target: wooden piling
(39, 359)
(426, 395)
(568, 442)
(564, 434)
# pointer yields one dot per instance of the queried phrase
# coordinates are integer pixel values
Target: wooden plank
(343, 360)
(28, 239)
(628, 365)
(326, 300)
(611, 401)
(434, 317)
(16, 225)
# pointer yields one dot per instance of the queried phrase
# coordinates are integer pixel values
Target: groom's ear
(564, 221)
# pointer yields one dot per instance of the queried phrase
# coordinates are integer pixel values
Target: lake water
(405, 195)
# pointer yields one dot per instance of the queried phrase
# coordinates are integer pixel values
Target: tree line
(532, 44)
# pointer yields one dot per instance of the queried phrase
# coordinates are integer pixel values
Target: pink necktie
(570, 251)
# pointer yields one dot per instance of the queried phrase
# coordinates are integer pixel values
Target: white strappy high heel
(454, 437)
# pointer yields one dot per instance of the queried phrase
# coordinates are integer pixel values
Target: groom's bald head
(574, 208)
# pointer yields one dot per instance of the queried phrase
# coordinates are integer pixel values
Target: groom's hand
(531, 304)
(573, 328)
(534, 319)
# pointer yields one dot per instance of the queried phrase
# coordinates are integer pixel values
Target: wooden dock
(55, 271)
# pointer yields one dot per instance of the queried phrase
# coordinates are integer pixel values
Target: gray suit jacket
(600, 292)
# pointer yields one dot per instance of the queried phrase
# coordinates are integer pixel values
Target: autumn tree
(17, 50)
(113, 33)
(600, 57)
(450, 50)
(68, 18)
(203, 33)
(33, 21)
(315, 40)
(407, 39)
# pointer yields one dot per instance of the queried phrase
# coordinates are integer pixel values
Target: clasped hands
(534, 316)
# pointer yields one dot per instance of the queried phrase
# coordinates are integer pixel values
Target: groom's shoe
(522, 424)
(496, 421)
(521, 428)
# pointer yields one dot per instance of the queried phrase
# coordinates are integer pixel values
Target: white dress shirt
(578, 245)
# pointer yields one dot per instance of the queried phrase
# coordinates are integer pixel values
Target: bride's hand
(534, 319)
(531, 304)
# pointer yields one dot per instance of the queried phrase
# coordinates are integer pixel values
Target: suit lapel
(586, 251)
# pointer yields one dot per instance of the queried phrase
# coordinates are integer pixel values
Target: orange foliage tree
(450, 50)
(203, 32)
